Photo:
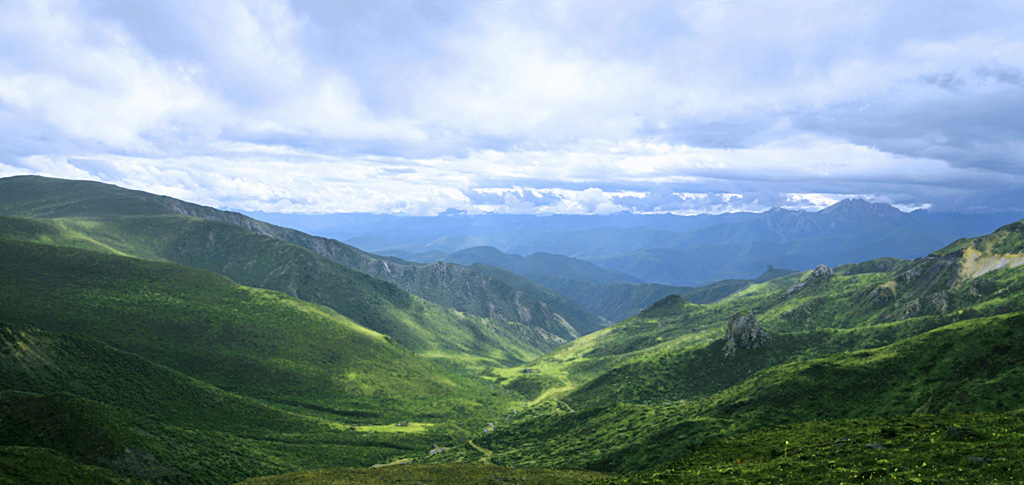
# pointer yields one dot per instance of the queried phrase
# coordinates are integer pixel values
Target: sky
(526, 107)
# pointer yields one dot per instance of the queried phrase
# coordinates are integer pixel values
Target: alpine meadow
(490, 242)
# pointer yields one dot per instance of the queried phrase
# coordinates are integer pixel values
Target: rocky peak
(861, 206)
(743, 332)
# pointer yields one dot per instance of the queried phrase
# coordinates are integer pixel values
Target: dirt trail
(571, 410)
(487, 453)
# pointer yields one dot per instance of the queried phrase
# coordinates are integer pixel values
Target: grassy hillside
(880, 338)
(113, 366)
(254, 342)
(159, 371)
(850, 307)
(619, 301)
(435, 474)
(448, 285)
(923, 448)
(261, 261)
(971, 366)
(75, 410)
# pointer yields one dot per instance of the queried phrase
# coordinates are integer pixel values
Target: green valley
(162, 364)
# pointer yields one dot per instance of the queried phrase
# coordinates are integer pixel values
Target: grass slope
(82, 410)
(926, 448)
(922, 448)
(262, 261)
(617, 302)
(885, 337)
(255, 342)
(23, 465)
(449, 285)
(856, 306)
(434, 474)
(970, 366)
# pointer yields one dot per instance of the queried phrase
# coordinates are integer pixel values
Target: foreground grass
(921, 448)
(160, 372)
(969, 366)
(434, 474)
(940, 448)
(20, 465)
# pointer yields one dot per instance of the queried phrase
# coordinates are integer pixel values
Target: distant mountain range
(665, 249)
(537, 264)
(612, 295)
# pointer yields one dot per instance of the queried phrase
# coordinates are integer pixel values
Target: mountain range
(147, 339)
(667, 249)
(612, 295)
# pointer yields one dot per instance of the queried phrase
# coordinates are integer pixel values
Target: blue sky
(536, 107)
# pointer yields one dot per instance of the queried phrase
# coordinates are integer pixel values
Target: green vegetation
(90, 405)
(438, 474)
(21, 465)
(202, 379)
(970, 366)
(499, 296)
(254, 342)
(261, 261)
(882, 338)
(926, 448)
(619, 301)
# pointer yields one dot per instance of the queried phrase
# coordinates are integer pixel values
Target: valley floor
(922, 448)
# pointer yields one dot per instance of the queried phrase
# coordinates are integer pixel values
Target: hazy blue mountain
(532, 266)
(612, 295)
(667, 249)
(850, 230)
(519, 234)
(618, 301)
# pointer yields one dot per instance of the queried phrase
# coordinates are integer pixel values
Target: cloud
(88, 81)
(575, 107)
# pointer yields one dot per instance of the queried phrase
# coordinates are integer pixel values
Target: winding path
(487, 453)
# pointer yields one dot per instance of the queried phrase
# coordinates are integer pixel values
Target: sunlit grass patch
(405, 427)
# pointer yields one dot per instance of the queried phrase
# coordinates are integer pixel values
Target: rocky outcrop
(819, 277)
(821, 271)
(743, 332)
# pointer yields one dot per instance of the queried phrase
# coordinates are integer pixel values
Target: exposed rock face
(818, 277)
(743, 332)
(822, 271)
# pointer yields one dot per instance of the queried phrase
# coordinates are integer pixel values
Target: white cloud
(89, 80)
(580, 107)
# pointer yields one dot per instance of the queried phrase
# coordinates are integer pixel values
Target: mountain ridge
(42, 197)
(674, 250)
(250, 258)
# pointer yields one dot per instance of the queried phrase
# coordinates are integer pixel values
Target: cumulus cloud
(557, 107)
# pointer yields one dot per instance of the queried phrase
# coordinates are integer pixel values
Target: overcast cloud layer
(536, 106)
